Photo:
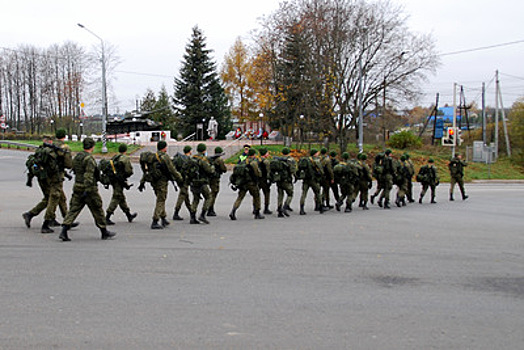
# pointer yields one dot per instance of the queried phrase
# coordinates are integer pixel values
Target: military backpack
(43, 163)
(241, 174)
(151, 166)
(279, 169)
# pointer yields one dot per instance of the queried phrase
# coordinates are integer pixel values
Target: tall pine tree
(199, 95)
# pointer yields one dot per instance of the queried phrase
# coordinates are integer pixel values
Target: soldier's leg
(160, 189)
(433, 193)
(452, 183)
(95, 205)
(280, 197)
(206, 193)
(76, 205)
(113, 204)
(42, 205)
(254, 191)
(461, 187)
(423, 192)
(214, 187)
(290, 191)
(240, 197)
(303, 196)
(55, 194)
(318, 196)
(62, 205)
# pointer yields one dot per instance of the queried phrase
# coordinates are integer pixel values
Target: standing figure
(181, 162)
(212, 128)
(85, 192)
(388, 175)
(122, 170)
(377, 172)
(245, 178)
(428, 177)
(456, 171)
(200, 185)
(285, 182)
(264, 182)
(311, 173)
(327, 179)
(214, 181)
(343, 177)
(411, 173)
(402, 182)
(365, 181)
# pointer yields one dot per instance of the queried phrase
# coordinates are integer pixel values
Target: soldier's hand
(29, 182)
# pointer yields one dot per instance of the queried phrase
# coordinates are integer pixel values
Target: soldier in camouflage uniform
(214, 182)
(168, 173)
(285, 185)
(343, 179)
(251, 187)
(456, 171)
(264, 182)
(183, 188)
(200, 186)
(402, 181)
(327, 179)
(312, 180)
(428, 177)
(124, 169)
(85, 192)
(365, 181)
(333, 185)
(388, 176)
(411, 173)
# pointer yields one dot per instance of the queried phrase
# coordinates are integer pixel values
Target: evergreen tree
(199, 94)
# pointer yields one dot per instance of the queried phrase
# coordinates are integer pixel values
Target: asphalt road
(434, 276)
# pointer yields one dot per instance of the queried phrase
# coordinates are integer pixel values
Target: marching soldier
(456, 170)
(312, 176)
(264, 182)
(285, 184)
(122, 166)
(200, 185)
(365, 181)
(411, 173)
(387, 179)
(428, 177)
(214, 181)
(183, 186)
(85, 192)
(251, 186)
(327, 179)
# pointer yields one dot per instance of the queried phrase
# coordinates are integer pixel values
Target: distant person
(456, 171)
(428, 177)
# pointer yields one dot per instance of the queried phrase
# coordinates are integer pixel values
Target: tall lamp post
(104, 91)
(261, 116)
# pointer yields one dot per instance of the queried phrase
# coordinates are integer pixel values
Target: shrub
(404, 139)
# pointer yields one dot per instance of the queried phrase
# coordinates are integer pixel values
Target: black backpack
(279, 169)
(43, 163)
(241, 174)
(150, 165)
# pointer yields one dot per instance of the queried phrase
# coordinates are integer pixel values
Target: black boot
(202, 217)
(130, 216)
(403, 201)
(433, 200)
(45, 227)
(338, 205)
(75, 224)
(232, 215)
(267, 211)
(27, 219)
(259, 216)
(372, 198)
(280, 212)
(107, 234)
(156, 226)
(379, 202)
(420, 200)
(451, 197)
(386, 204)
(287, 207)
(108, 220)
(54, 223)
(365, 205)
(164, 222)
(211, 212)
(397, 202)
(193, 220)
(63, 235)
(302, 211)
(464, 197)
(348, 209)
(317, 207)
(176, 216)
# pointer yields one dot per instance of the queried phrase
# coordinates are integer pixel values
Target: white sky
(150, 37)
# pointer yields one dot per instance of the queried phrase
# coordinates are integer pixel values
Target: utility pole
(496, 114)
(506, 136)
(454, 119)
(484, 140)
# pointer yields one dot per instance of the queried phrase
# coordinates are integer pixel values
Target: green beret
(333, 154)
(345, 155)
(218, 150)
(60, 133)
(285, 150)
(251, 152)
(430, 160)
(88, 143)
(388, 152)
(161, 145)
(406, 155)
(313, 152)
(323, 150)
(402, 157)
(363, 156)
(187, 149)
(262, 151)
(122, 148)
(201, 147)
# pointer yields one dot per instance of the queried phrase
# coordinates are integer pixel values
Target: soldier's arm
(171, 168)
(256, 169)
(68, 158)
(128, 167)
(89, 174)
(208, 168)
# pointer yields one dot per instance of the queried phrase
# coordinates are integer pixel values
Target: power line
(481, 48)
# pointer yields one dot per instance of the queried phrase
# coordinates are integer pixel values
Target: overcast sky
(150, 38)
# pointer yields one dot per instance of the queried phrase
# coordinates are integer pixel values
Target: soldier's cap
(161, 145)
(218, 150)
(88, 143)
(285, 150)
(313, 152)
(457, 154)
(363, 156)
(333, 153)
(262, 151)
(323, 150)
(388, 152)
(187, 149)
(251, 152)
(60, 133)
(406, 155)
(359, 156)
(402, 157)
(201, 147)
(345, 155)
(430, 160)
(122, 148)
(47, 137)
(247, 146)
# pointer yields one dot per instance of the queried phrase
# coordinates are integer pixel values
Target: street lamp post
(261, 116)
(104, 90)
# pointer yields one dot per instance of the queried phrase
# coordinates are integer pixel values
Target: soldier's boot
(464, 197)
(280, 212)
(287, 207)
(131, 216)
(379, 202)
(302, 211)
(411, 200)
(164, 222)
(348, 209)
(360, 203)
(328, 205)
(267, 211)
(202, 217)
(27, 219)
(365, 205)
(45, 227)
(259, 216)
(193, 220)
(451, 197)
(338, 205)
(372, 198)
(75, 224)
(232, 215)
(322, 208)
(63, 235)
(211, 212)
(433, 200)
(176, 216)
(420, 200)
(386, 204)
(108, 219)
(403, 201)
(317, 207)
(54, 223)
(107, 234)
(398, 203)
(156, 226)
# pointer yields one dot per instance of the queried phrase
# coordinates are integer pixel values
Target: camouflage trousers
(160, 189)
(425, 187)
(92, 199)
(118, 199)
(388, 186)
(253, 190)
(183, 197)
(347, 193)
(54, 197)
(204, 191)
(265, 187)
(214, 186)
(315, 186)
(457, 180)
(402, 189)
(288, 189)
(363, 189)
